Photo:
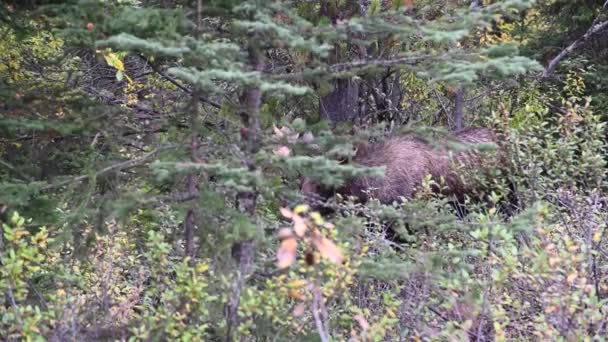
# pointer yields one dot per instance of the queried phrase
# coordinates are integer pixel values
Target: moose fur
(407, 161)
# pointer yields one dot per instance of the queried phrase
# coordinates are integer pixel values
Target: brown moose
(407, 161)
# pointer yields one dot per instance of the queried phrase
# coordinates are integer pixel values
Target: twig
(595, 28)
(317, 305)
(14, 170)
(11, 296)
(177, 84)
(119, 166)
(443, 106)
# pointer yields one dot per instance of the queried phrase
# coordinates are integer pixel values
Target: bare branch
(115, 167)
(594, 29)
(15, 170)
(178, 84)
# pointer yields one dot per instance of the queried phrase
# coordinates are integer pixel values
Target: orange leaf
(327, 248)
(299, 225)
(295, 294)
(408, 4)
(286, 255)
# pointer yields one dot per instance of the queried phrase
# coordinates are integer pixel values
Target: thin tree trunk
(192, 187)
(244, 251)
(342, 104)
(458, 109)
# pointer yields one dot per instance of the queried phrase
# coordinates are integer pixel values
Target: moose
(407, 161)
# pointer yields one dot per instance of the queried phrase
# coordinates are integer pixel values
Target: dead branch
(596, 27)
(115, 167)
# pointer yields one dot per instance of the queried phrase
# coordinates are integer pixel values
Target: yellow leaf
(573, 248)
(597, 236)
(302, 208)
(297, 283)
(571, 277)
(317, 218)
(201, 268)
(286, 255)
(113, 60)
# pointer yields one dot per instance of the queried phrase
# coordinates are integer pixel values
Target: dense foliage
(152, 153)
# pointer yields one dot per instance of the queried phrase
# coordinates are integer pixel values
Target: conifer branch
(359, 64)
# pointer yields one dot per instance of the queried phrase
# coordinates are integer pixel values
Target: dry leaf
(299, 309)
(286, 254)
(285, 233)
(295, 294)
(327, 248)
(409, 4)
(298, 283)
(299, 225)
(362, 322)
(286, 213)
(282, 151)
(467, 325)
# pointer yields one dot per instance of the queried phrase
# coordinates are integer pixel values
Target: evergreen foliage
(152, 154)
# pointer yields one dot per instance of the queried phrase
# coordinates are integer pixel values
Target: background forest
(152, 154)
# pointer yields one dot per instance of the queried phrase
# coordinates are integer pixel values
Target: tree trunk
(342, 104)
(244, 251)
(192, 187)
(458, 109)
